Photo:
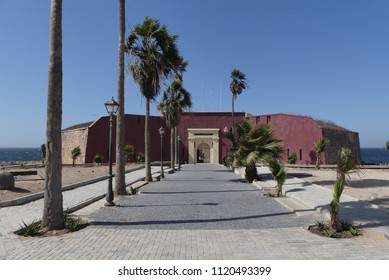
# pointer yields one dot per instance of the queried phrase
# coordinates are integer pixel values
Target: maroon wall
(98, 137)
(298, 134)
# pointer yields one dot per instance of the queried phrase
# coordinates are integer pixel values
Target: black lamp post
(178, 152)
(112, 107)
(161, 132)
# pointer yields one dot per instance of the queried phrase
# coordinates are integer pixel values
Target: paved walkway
(201, 212)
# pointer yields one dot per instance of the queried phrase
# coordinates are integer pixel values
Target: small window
(268, 119)
(301, 154)
(287, 153)
(258, 119)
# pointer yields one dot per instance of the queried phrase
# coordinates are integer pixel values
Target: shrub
(98, 159)
(30, 229)
(320, 225)
(292, 158)
(128, 150)
(354, 231)
(76, 152)
(140, 157)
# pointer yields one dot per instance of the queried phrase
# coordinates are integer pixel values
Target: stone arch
(206, 139)
(203, 153)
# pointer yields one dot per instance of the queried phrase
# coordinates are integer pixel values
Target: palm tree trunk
(175, 146)
(120, 180)
(317, 160)
(233, 120)
(172, 147)
(334, 205)
(53, 202)
(147, 142)
(251, 172)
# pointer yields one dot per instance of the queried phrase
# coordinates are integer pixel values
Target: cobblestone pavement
(201, 212)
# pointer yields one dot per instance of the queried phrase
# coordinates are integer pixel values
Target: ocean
(374, 156)
(20, 154)
(368, 155)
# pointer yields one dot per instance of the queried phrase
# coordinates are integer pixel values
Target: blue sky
(326, 59)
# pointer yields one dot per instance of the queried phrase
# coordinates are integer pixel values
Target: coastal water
(20, 154)
(374, 156)
(368, 155)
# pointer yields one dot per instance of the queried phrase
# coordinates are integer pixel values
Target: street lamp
(161, 132)
(112, 107)
(178, 152)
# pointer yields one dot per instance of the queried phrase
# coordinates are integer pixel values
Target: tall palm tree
(175, 100)
(120, 179)
(154, 57)
(346, 164)
(250, 145)
(237, 85)
(52, 218)
(320, 146)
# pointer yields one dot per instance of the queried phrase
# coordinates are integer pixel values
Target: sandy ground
(26, 185)
(368, 184)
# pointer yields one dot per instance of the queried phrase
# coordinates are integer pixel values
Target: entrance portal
(203, 153)
(203, 145)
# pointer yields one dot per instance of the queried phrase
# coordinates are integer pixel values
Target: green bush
(292, 158)
(97, 158)
(29, 229)
(76, 152)
(140, 157)
(128, 150)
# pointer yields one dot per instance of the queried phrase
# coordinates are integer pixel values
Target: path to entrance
(201, 212)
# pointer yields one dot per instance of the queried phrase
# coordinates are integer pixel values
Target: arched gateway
(203, 145)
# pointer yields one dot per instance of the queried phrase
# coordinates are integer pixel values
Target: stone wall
(72, 139)
(339, 139)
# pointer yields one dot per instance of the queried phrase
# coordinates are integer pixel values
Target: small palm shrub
(71, 223)
(320, 225)
(292, 158)
(140, 157)
(98, 159)
(76, 152)
(354, 231)
(128, 150)
(31, 229)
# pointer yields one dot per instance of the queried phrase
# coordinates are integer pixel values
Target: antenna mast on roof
(221, 91)
(212, 108)
(203, 96)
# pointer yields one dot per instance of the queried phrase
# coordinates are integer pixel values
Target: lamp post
(112, 107)
(161, 132)
(178, 152)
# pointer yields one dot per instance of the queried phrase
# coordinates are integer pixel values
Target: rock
(7, 181)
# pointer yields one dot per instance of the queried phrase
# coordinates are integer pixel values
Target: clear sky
(328, 59)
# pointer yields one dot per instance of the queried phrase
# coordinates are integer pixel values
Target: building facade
(202, 138)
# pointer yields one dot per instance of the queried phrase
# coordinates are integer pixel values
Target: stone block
(7, 180)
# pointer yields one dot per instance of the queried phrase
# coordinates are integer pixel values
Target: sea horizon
(369, 156)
